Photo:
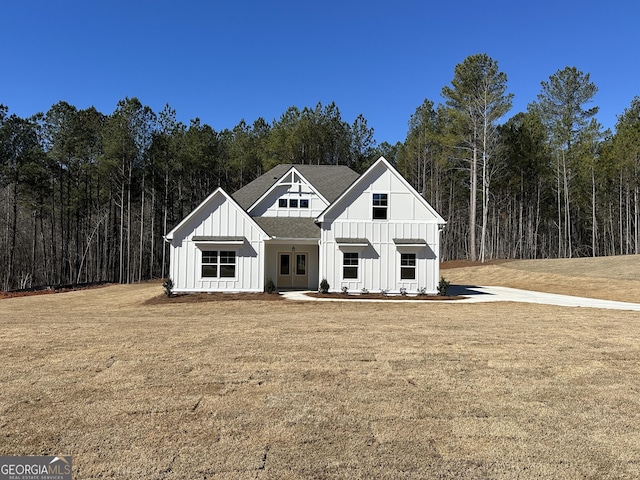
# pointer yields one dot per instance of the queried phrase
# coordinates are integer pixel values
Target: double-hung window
(350, 265)
(380, 206)
(218, 264)
(407, 266)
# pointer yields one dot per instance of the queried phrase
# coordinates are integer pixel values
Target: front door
(293, 270)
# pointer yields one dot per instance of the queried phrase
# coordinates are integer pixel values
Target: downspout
(321, 266)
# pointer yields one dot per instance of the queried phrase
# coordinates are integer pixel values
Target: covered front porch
(292, 264)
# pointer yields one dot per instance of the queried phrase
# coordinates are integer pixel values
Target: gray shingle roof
(352, 241)
(409, 241)
(217, 239)
(329, 180)
(285, 227)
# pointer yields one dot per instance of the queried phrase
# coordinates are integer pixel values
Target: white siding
(219, 217)
(379, 263)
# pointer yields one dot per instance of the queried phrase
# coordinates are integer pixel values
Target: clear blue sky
(227, 61)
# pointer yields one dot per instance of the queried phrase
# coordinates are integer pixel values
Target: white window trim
(358, 267)
(415, 267)
(218, 264)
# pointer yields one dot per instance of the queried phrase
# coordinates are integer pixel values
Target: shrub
(384, 292)
(364, 291)
(403, 292)
(269, 286)
(345, 290)
(167, 284)
(422, 291)
(443, 286)
(324, 286)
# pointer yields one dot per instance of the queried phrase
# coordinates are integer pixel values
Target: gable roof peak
(329, 180)
(382, 161)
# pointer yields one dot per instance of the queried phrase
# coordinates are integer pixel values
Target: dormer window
(380, 206)
(293, 202)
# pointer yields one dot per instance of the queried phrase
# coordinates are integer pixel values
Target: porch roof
(410, 242)
(287, 227)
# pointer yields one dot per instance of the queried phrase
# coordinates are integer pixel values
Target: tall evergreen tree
(561, 105)
(478, 97)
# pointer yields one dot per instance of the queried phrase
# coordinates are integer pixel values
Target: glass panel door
(301, 278)
(284, 279)
(301, 264)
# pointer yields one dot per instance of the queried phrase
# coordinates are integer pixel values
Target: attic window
(380, 205)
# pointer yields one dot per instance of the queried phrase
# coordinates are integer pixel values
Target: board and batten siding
(379, 262)
(220, 217)
(269, 206)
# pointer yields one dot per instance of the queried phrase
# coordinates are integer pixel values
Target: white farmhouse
(299, 224)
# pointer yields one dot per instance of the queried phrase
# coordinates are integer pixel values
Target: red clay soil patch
(47, 291)
(377, 296)
(211, 297)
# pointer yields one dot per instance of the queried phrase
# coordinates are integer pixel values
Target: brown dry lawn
(608, 278)
(264, 389)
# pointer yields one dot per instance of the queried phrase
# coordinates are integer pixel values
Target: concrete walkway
(474, 294)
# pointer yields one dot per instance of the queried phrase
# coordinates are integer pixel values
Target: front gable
(292, 195)
(217, 247)
(380, 235)
(218, 215)
(381, 192)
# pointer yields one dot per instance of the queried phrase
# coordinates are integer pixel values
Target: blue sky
(227, 61)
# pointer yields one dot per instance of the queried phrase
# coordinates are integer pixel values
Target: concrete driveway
(498, 294)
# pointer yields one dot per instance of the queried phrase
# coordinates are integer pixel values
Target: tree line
(87, 196)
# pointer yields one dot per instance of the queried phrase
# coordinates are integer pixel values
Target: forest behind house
(87, 197)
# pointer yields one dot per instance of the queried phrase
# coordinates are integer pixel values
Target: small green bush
(324, 286)
(269, 286)
(443, 286)
(167, 284)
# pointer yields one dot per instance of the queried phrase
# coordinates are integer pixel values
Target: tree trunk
(473, 191)
(594, 225)
(141, 231)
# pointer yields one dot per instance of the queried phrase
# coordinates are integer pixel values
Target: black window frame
(350, 265)
(408, 266)
(209, 264)
(380, 206)
(218, 264)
